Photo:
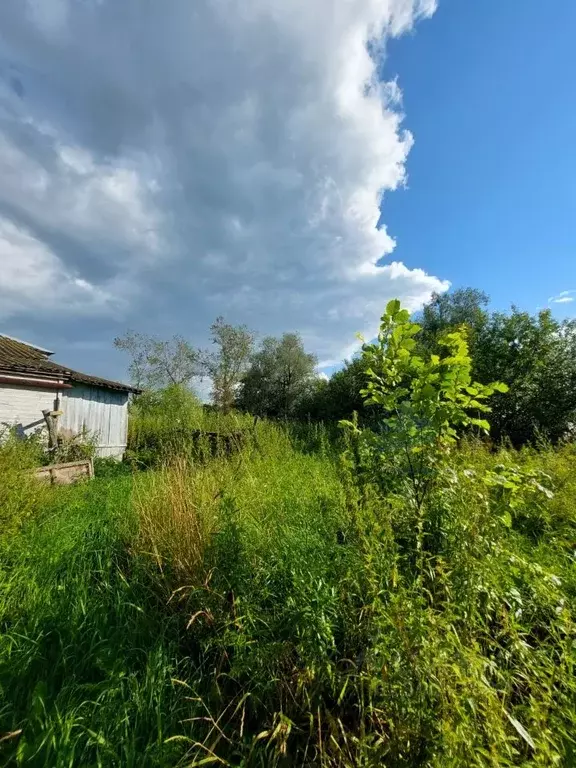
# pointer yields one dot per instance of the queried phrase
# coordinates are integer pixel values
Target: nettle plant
(425, 404)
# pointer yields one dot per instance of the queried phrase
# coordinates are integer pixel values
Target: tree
(338, 397)
(426, 402)
(534, 355)
(228, 363)
(280, 375)
(156, 364)
(449, 311)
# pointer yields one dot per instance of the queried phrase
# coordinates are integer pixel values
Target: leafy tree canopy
(338, 397)
(156, 363)
(227, 362)
(280, 375)
(465, 309)
(535, 355)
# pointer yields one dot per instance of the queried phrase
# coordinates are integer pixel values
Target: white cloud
(564, 297)
(33, 279)
(207, 157)
(100, 206)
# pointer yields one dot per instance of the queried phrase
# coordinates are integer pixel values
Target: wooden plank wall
(103, 412)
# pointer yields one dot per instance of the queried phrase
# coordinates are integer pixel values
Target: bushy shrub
(108, 467)
(173, 423)
(160, 425)
(72, 446)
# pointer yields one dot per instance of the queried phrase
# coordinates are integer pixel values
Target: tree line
(271, 378)
(535, 355)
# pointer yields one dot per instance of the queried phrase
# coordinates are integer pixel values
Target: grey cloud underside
(179, 160)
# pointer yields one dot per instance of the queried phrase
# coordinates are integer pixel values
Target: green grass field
(265, 609)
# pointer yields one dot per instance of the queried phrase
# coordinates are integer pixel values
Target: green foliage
(173, 403)
(157, 363)
(86, 651)
(228, 363)
(449, 311)
(338, 397)
(425, 402)
(520, 496)
(98, 666)
(534, 355)
(72, 447)
(108, 467)
(20, 494)
(159, 425)
(172, 422)
(303, 639)
(407, 603)
(280, 376)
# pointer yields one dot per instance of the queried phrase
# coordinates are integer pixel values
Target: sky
(491, 196)
(291, 166)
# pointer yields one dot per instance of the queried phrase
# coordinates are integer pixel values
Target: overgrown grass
(266, 608)
(174, 422)
(86, 652)
(20, 495)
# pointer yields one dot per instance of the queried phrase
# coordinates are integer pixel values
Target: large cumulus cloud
(163, 162)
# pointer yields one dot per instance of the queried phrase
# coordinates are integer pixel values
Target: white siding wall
(23, 406)
(103, 412)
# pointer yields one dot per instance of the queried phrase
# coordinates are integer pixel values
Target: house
(31, 383)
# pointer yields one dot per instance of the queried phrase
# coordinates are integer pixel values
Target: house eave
(33, 381)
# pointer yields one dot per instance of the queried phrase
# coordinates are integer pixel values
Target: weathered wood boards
(66, 474)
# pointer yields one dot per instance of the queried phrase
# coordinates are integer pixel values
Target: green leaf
(413, 329)
(428, 392)
(393, 307)
(521, 730)
(506, 519)
(348, 425)
(546, 491)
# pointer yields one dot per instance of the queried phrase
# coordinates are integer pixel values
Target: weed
(290, 604)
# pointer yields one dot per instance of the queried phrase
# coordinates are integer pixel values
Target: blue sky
(161, 164)
(489, 93)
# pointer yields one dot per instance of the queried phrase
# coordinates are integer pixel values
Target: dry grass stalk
(176, 508)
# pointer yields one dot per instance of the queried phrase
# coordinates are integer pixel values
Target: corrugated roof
(19, 357)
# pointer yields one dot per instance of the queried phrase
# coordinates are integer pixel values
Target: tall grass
(87, 651)
(174, 422)
(20, 495)
(266, 609)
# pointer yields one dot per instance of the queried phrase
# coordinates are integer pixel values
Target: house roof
(19, 342)
(20, 357)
